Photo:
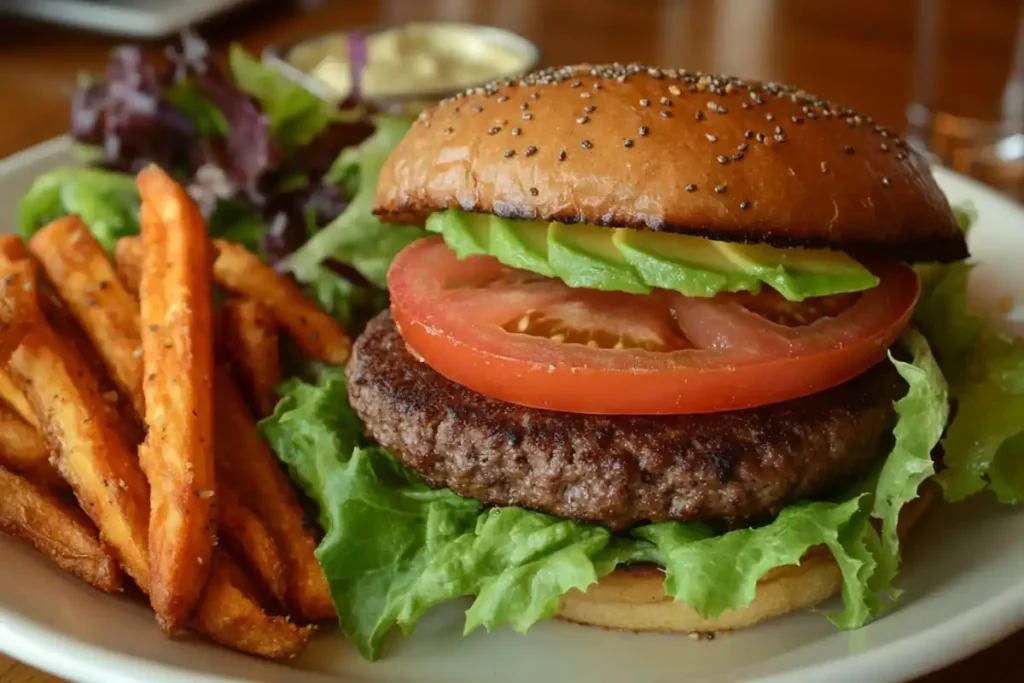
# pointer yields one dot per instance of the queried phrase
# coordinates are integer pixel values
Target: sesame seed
(585, 95)
(901, 156)
(493, 130)
(535, 96)
(561, 155)
(643, 131)
(722, 159)
(477, 109)
(711, 137)
(627, 143)
(885, 181)
(666, 102)
(524, 106)
(644, 102)
(770, 116)
(509, 153)
(722, 110)
(530, 151)
(737, 156)
(665, 114)
(744, 205)
(699, 115)
(720, 189)
(674, 89)
(745, 105)
(748, 134)
(589, 109)
(503, 98)
(743, 147)
(582, 119)
(759, 137)
(884, 147)
(575, 84)
(848, 149)
(797, 120)
(449, 130)
(779, 137)
(527, 116)
(534, 191)
(824, 167)
(586, 144)
(690, 187)
(517, 131)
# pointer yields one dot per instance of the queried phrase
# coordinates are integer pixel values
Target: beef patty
(617, 470)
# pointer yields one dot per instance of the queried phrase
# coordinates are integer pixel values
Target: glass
(967, 101)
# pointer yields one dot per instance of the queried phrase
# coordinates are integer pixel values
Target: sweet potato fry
(176, 301)
(57, 530)
(250, 541)
(230, 617)
(64, 394)
(316, 333)
(85, 280)
(251, 343)
(254, 470)
(11, 248)
(11, 395)
(104, 474)
(128, 262)
(23, 451)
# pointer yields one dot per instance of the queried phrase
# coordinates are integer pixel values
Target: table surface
(859, 52)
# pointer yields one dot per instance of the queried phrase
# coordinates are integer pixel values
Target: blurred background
(947, 72)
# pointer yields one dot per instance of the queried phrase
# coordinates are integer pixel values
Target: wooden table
(858, 52)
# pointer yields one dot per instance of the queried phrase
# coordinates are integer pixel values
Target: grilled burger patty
(617, 470)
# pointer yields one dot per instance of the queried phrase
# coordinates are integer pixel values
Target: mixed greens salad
(293, 178)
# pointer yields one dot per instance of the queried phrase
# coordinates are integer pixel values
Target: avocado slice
(584, 256)
(689, 265)
(620, 259)
(521, 244)
(799, 273)
(466, 233)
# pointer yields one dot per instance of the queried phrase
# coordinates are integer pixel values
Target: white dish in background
(964, 581)
(134, 18)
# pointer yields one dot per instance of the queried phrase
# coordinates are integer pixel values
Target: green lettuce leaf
(923, 413)
(350, 304)
(983, 446)
(208, 119)
(356, 237)
(394, 547)
(108, 202)
(296, 114)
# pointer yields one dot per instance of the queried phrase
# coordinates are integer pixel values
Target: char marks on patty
(618, 470)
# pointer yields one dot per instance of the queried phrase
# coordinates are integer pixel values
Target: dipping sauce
(415, 58)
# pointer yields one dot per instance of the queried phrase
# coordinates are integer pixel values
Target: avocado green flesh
(620, 259)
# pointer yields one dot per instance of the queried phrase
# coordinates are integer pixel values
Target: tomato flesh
(534, 341)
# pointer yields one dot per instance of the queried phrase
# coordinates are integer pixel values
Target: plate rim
(915, 654)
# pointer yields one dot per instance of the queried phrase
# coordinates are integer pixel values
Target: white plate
(964, 581)
(135, 18)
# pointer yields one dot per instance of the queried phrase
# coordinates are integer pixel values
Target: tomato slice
(531, 340)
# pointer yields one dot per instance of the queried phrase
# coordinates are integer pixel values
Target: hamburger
(678, 358)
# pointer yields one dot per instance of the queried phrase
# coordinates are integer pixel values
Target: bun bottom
(633, 598)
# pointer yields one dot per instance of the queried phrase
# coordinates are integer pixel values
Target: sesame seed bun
(673, 151)
(633, 598)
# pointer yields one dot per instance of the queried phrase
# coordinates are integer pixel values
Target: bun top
(676, 151)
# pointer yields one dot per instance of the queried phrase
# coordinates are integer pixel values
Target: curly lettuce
(394, 548)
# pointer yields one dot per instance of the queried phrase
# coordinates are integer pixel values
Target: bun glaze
(674, 151)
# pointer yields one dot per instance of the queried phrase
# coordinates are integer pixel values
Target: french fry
(176, 301)
(12, 396)
(128, 262)
(250, 541)
(56, 530)
(23, 451)
(316, 332)
(251, 343)
(86, 282)
(254, 470)
(11, 249)
(229, 616)
(65, 396)
(106, 477)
